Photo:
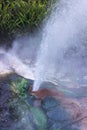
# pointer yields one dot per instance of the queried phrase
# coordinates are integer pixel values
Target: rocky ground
(49, 113)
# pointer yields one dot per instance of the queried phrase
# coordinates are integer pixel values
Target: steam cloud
(63, 52)
(58, 53)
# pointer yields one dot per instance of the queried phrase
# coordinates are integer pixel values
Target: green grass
(19, 87)
(19, 15)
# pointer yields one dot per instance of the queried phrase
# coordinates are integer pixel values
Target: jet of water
(63, 48)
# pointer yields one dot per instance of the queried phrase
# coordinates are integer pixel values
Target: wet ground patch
(18, 112)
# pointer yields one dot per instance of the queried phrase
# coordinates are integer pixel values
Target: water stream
(63, 52)
(54, 57)
(58, 53)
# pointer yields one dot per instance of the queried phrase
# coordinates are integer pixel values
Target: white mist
(65, 29)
